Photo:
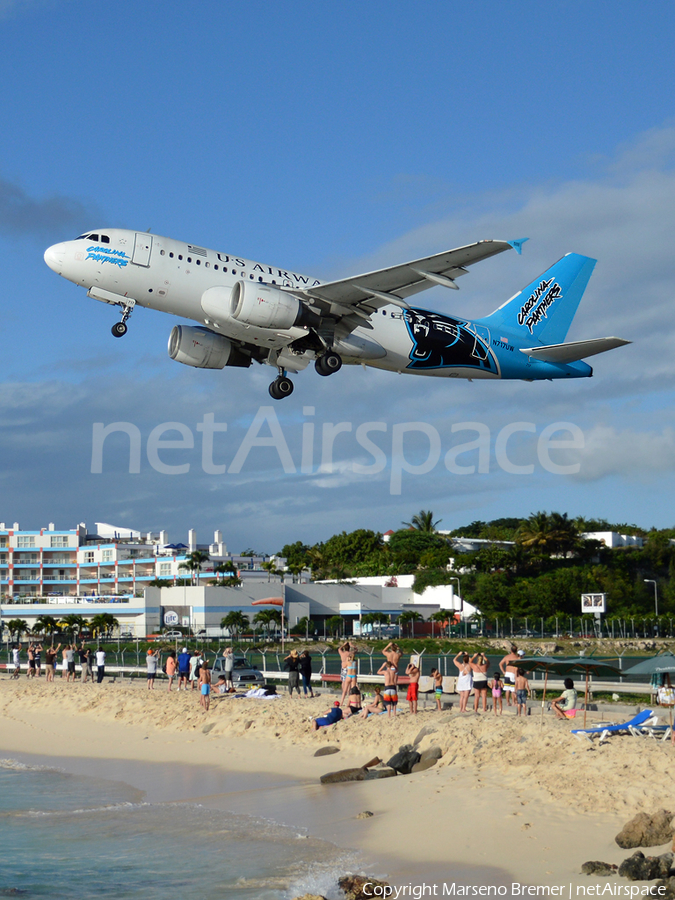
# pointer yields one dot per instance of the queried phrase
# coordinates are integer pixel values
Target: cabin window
(199, 262)
(250, 276)
(171, 255)
(234, 271)
(189, 259)
(161, 253)
(179, 256)
(215, 267)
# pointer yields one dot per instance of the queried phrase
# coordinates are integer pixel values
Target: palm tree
(235, 622)
(103, 623)
(268, 617)
(375, 618)
(72, 624)
(193, 564)
(17, 627)
(442, 616)
(410, 616)
(334, 624)
(423, 521)
(295, 569)
(270, 567)
(46, 625)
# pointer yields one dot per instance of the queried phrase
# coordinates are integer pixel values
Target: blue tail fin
(543, 311)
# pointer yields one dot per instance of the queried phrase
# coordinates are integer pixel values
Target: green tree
(334, 625)
(72, 624)
(423, 521)
(409, 617)
(235, 622)
(408, 547)
(295, 554)
(233, 580)
(303, 626)
(16, 628)
(270, 567)
(375, 618)
(102, 624)
(193, 564)
(46, 625)
(442, 616)
(268, 618)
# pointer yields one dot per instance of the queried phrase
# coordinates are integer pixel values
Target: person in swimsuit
(479, 666)
(465, 680)
(413, 673)
(377, 706)
(204, 685)
(390, 696)
(348, 671)
(509, 669)
(38, 659)
(392, 653)
(438, 687)
(355, 706)
(522, 691)
(497, 690)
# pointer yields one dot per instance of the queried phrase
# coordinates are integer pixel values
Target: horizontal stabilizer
(574, 350)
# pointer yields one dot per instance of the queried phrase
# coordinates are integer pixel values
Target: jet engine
(267, 307)
(204, 349)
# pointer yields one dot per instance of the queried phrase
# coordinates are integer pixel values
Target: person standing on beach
(392, 653)
(509, 671)
(195, 665)
(85, 663)
(38, 659)
(348, 668)
(204, 685)
(170, 668)
(31, 661)
(16, 660)
(151, 665)
(50, 660)
(292, 663)
(413, 673)
(390, 695)
(70, 661)
(438, 687)
(228, 665)
(497, 689)
(100, 664)
(306, 673)
(522, 691)
(479, 666)
(464, 680)
(183, 668)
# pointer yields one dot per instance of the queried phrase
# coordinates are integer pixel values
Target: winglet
(518, 244)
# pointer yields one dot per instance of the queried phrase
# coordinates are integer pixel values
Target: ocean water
(71, 836)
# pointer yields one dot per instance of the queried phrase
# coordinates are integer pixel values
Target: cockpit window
(82, 237)
(105, 239)
(93, 237)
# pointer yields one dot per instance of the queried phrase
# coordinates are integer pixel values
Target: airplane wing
(573, 350)
(352, 300)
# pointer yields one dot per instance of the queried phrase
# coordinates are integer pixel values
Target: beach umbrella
(662, 664)
(588, 666)
(545, 663)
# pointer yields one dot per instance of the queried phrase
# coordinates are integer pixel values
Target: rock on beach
(644, 830)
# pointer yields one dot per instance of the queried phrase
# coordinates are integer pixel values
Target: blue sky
(333, 138)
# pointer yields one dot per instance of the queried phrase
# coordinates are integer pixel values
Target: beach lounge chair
(645, 718)
(656, 732)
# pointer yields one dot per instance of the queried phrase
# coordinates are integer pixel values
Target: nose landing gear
(329, 363)
(119, 329)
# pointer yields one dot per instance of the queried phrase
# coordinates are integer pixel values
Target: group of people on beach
(508, 680)
(70, 653)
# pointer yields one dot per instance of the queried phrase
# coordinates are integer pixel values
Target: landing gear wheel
(281, 387)
(119, 329)
(328, 363)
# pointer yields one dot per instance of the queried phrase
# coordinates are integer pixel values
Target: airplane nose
(54, 257)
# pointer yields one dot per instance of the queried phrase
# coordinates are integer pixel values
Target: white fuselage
(172, 277)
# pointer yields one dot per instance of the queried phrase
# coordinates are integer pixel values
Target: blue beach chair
(641, 720)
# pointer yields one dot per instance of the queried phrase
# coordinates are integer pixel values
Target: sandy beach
(512, 799)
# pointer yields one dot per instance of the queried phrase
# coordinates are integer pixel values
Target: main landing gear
(119, 329)
(281, 387)
(329, 363)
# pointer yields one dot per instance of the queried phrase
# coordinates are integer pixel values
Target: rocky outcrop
(644, 830)
(359, 774)
(327, 751)
(596, 867)
(639, 867)
(405, 759)
(366, 814)
(361, 887)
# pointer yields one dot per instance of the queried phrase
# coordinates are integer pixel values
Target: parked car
(172, 634)
(244, 675)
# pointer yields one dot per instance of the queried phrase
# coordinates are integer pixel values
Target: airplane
(251, 312)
